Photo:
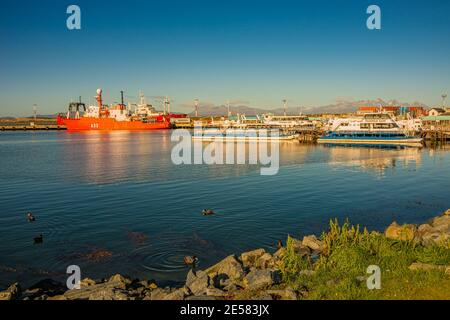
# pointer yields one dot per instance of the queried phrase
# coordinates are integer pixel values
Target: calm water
(119, 196)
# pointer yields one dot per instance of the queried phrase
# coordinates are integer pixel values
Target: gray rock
(214, 292)
(87, 282)
(230, 288)
(229, 267)
(299, 247)
(120, 281)
(197, 282)
(435, 232)
(265, 261)
(249, 258)
(111, 290)
(158, 294)
(46, 287)
(177, 294)
(202, 297)
(12, 293)
(313, 243)
(262, 278)
(115, 294)
(286, 294)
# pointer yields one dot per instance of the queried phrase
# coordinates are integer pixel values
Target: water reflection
(114, 157)
(374, 160)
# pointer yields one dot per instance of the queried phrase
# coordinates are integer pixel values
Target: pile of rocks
(437, 231)
(252, 275)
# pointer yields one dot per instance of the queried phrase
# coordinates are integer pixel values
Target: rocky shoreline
(254, 275)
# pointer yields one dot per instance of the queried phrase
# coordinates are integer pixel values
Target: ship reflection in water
(373, 159)
(113, 202)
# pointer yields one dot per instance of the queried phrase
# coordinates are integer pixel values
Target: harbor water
(114, 202)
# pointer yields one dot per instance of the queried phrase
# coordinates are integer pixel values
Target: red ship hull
(111, 124)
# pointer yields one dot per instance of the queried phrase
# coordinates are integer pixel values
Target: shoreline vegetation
(414, 261)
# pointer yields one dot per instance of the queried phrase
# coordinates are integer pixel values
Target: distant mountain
(340, 106)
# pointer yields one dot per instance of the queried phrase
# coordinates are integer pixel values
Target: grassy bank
(340, 270)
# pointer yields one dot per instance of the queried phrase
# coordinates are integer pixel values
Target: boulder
(406, 232)
(265, 261)
(110, 290)
(87, 282)
(105, 294)
(313, 243)
(229, 267)
(298, 246)
(197, 282)
(441, 223)
(46, 287)
(286, 294)
(249, 258)
(278, 255)
(261, 278)
(157, 294)
(120, 280)
(214, 292)
(12, 293)
(177, 294)
(435, 232)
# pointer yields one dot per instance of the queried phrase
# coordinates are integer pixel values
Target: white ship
(370, 129)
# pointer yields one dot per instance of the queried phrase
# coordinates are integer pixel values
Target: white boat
(244, 135)
(288, 121)
(370, 129)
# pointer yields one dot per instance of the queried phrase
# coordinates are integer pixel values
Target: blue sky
(311, 52)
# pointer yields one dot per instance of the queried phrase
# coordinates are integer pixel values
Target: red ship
(116, 117)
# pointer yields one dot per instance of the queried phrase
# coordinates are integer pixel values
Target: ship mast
(196, 107)
(99, 101)
(168, 105)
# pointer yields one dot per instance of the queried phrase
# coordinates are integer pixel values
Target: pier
(27, 124)
(436, 135)
(32, 128)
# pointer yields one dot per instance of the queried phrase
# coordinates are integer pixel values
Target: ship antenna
(34, 112)
(168, 105)
(196, 107)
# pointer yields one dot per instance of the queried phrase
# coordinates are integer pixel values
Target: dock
(30, 124)
(32, 128)
(436, 135)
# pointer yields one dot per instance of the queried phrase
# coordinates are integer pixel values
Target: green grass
(339, 271)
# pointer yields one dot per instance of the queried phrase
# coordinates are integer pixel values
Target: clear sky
(311, 52)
